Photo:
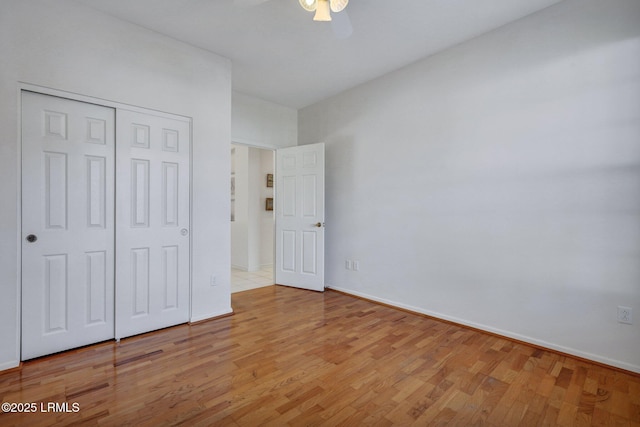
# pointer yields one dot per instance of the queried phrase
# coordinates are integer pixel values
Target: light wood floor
(292, 357)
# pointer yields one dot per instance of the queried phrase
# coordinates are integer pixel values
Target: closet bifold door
(152, 222)
(67, 224)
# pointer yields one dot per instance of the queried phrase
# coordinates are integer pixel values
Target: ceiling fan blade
(338, 5)
(309, 5)
(341, 25)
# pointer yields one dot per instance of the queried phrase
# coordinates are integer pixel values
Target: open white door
(300, 217)
(67, 224)
(152, 222)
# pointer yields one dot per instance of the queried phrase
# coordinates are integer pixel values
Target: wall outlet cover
(625, 315)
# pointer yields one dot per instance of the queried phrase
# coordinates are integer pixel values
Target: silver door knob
(184, 231)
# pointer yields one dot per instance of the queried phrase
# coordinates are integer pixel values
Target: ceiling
(281, 55)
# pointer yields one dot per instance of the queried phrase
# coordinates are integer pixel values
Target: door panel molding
(67, 217)
(153, 232)
(81, 194)
(300, 217)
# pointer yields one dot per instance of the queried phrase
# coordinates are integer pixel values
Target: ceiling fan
(323, 8)
(341, 25)
(340, 22)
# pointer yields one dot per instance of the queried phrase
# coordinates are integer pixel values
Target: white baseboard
(537, 342)
(211, 315)
(245, 269)
(9, 365)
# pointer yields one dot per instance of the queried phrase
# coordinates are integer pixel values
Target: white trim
(97, 101)
(211, 315)
(190, 216)
(254, 144)
(274, 150)
(507, 334)
(239, 267)
(246, 270)
(9, 365)
(18, 353)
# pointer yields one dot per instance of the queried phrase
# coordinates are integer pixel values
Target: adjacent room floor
(245, 280)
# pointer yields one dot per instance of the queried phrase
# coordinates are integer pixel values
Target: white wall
(68, 47)
(267, 219)
(245, 229)
(497, 184)
(252, 230)
(261, 123)
(258, 124)
(240, 166)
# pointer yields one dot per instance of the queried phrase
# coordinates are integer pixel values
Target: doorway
(252, 217)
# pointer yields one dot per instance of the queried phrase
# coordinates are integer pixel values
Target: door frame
(44, 90)
(273, 149)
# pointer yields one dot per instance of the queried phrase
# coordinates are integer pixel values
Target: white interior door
(152, 222)
(300, 217)
(67, 224)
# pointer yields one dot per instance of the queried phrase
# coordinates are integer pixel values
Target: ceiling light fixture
(323, 8)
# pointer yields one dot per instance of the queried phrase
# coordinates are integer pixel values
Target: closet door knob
(184, 231)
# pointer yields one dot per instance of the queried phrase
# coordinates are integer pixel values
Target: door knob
(184, 231)
(32, 238)
(319, 224)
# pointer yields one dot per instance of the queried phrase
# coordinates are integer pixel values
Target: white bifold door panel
(105, 223)
(67, 224)
(300, 217)
(152, 222)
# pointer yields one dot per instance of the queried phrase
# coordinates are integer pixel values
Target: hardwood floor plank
(291, 357)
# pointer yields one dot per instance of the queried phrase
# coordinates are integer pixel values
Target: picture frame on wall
(269, 204)
(269, 180)
(233, 196)
(233, 187)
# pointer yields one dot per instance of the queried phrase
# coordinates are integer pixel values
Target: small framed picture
(233, 187)
(269, 180)
(269, 205)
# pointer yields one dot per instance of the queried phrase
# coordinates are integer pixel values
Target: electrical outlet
(214, 281)
(625, 315)
(348, 264)
(356, 265)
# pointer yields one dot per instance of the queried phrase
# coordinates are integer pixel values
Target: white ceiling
(281, 55)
